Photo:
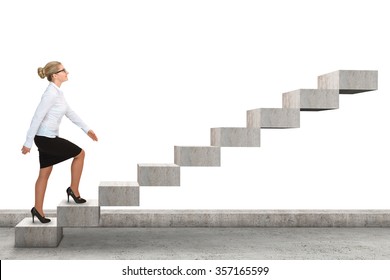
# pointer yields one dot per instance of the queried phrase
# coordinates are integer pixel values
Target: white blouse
(49, 113)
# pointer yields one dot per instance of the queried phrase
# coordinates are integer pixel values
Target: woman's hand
(92, 135)
(25, 150)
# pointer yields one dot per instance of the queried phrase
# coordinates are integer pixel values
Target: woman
(52, 149)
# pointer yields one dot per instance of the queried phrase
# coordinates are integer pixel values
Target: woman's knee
(81, 154)
(44, 173)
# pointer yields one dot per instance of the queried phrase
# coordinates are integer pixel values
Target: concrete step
(126, 217)
(197, 156)
(273, 118)
(349, 81)
(70, 214)
(118, 193)
(311, 99)
(29, 234)
(158, 174)
(244, 218)
(235, 137)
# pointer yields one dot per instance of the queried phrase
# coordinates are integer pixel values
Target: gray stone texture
(70, 214)
(119, 193)
(209, 244)
(29, 234)
(235, 137)
(228, 217)
(197, 156)
(245, 218)
(273, 118)
(349, 81)
(312, 99)
(158, 174)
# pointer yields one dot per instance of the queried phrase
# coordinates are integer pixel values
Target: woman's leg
(77, 170)
(40, 188)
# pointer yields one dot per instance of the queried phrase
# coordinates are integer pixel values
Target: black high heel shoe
(35, 213)
(77, 199)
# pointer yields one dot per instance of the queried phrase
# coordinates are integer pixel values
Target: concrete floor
(208, 244)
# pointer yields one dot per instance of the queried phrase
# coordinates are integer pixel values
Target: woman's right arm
(25, 150)
(47, 101)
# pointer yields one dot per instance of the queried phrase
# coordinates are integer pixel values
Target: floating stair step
(29, 234)
(273, 118)
(118, 193)
(150, 174)
(70, 214)
(197, 156)
(349, 81)
(235, 137)
(311, 99)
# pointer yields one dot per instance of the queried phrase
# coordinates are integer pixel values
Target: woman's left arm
(92, 135)
(70, 114)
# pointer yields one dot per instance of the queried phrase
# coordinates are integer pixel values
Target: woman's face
(61, 75)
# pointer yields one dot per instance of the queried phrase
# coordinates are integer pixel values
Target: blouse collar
(55, 86)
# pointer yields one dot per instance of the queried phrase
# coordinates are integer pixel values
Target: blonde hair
(49, 69)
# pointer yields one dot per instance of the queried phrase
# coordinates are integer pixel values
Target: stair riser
(119, 196)
(311, 99)
(37, 235)
(235, 137)
(198, 156)
(273, 118)
(349, 81)
(78, 215)
(158, 175)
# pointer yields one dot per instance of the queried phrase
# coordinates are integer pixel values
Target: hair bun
(41, 72)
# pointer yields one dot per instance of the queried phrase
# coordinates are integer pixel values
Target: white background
(148, 75)
(278, 269)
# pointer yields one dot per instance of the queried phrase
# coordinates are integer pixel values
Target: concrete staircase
(325, 97)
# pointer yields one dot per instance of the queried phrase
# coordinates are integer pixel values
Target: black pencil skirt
(55, 150)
